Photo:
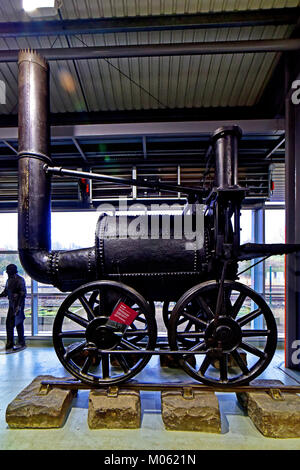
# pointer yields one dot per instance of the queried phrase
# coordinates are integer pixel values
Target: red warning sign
(123, 314)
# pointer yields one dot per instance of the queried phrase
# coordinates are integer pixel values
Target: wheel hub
(104, 337)
(225, 333)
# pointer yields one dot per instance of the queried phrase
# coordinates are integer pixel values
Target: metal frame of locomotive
(212, 316)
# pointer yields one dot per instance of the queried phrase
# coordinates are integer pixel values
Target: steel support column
(34, 307)
(258, 272)
(292, 198)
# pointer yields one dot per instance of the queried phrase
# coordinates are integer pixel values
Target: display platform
(46, 402)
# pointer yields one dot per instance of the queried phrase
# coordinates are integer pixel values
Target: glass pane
(6, 259)
(71, 230)
(9, 232)
(50, 300)
(275, 267)
(246, 237)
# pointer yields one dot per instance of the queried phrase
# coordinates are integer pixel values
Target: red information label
(123, 314)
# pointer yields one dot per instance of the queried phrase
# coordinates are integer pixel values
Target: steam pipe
(63, 269)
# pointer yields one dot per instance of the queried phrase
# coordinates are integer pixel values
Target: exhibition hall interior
(150, 228)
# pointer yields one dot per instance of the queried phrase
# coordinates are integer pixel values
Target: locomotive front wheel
(82, 330)
(221, 338)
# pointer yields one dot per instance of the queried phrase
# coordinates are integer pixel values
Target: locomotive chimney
(225, 141)
(62, 269)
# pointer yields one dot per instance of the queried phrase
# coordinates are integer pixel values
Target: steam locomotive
(105, 331)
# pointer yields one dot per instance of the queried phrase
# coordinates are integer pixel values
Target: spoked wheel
(222, 336)
(82, 330)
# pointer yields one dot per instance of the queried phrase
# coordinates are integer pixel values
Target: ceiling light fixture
(30, 5)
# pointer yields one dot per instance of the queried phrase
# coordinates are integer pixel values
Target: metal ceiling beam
(226, 113)
(10, 146)
(153, 50)
(79, 149)
(224, 19)
(184, 128)
(279, 143)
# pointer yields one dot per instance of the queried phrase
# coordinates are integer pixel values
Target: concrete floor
(238, 432)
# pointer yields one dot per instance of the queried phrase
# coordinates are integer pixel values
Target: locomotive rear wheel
(81, 333)
(227, 334)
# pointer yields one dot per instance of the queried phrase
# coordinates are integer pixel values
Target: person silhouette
(15, 290)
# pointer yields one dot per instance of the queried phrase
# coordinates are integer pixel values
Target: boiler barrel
(159, 257)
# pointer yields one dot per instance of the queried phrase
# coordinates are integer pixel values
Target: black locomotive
(105, 330)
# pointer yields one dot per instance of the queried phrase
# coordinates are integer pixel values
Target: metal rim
(225, 337)
(82, 357)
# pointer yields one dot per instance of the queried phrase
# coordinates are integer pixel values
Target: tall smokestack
(68, 269)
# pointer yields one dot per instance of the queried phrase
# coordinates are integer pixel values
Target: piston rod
(118, 180)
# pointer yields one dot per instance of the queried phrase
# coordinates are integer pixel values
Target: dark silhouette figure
(15, 290)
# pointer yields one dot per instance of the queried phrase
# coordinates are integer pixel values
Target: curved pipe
(63, 269)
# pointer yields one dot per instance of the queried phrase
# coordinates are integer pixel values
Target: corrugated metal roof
(109, 8)
(173, 82)
(11, 10)
(147, 83)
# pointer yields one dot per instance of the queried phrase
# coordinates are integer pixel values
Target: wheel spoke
(224, 368)
(123, 362)
(240, 362)
(129, 345)
(77, 319)
(228, 304)
(105, 366)
(138, 318)
(238, 304)
(134, 333)
(205, 365)
(137, 336)
(190, 334)
(188, 326)
(205, 307)
(72, 334)
(254, 333)
(86, 365)
(182, 320)
(251, 349)
(86, 307)
(198, 346)
(195, 320)
(249, 317)
(71, 351)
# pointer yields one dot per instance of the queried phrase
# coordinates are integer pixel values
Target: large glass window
(275, 267)
(71, 230)
(246, 237)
